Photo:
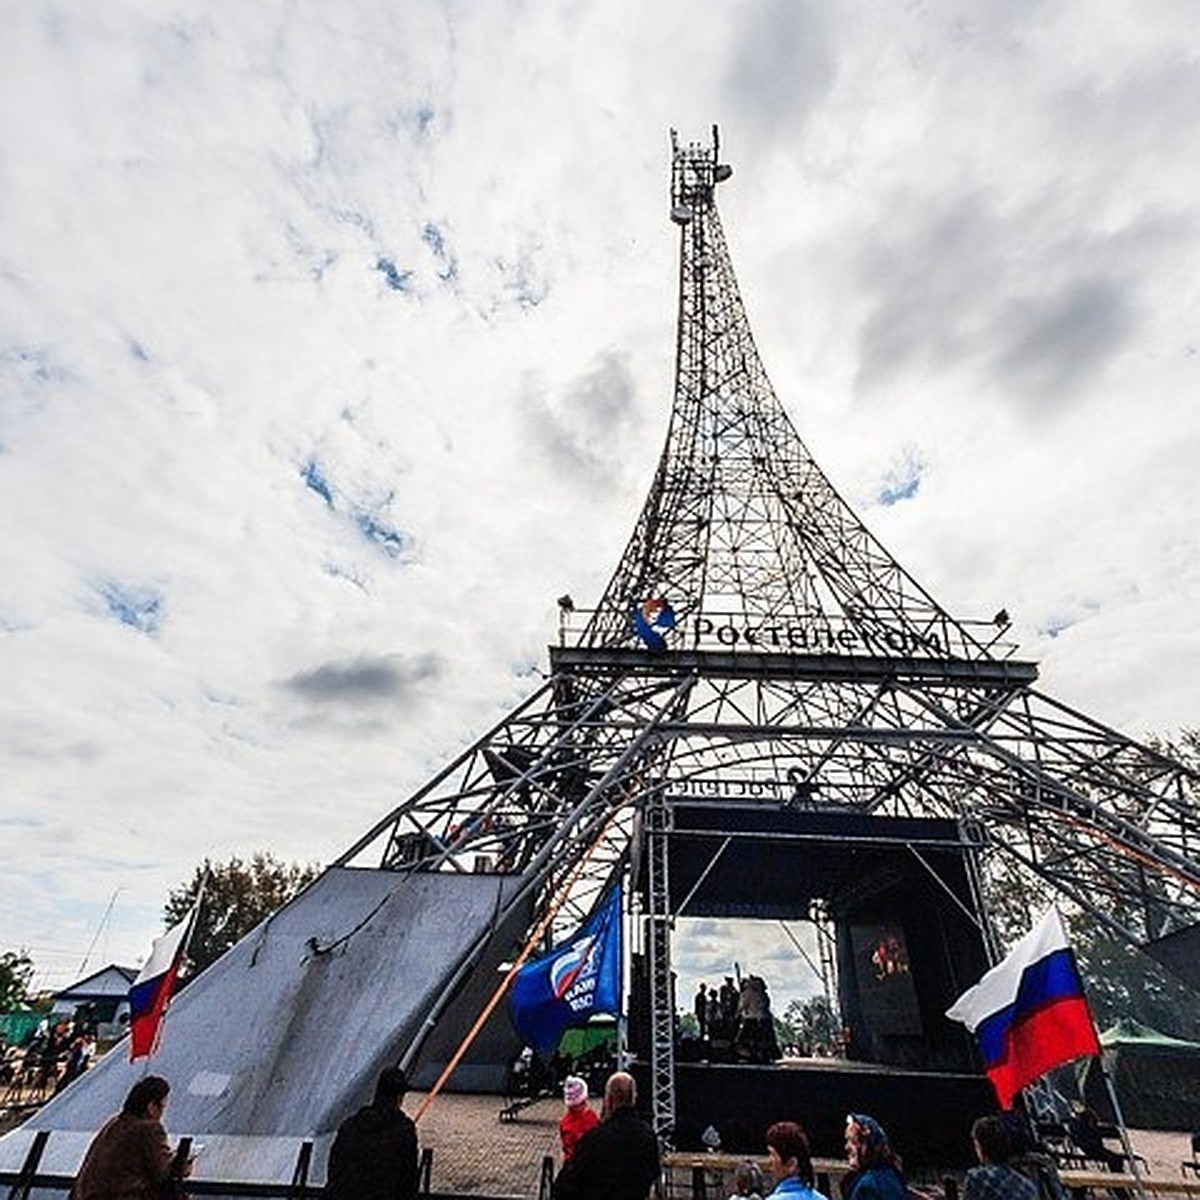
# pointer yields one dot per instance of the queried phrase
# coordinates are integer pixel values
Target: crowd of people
(614, 1156)
(734, 1021)
(610, 1155)
(54, 1056)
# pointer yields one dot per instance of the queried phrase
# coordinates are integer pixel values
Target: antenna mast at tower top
(696, 169)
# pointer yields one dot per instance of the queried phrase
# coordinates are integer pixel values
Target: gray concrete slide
(283, 1037)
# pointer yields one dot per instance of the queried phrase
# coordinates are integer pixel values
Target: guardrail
(1109, 1181)
(23, 1182)
(707, 1176)
(699, 1176)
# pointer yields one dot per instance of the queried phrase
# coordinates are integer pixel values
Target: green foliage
(1185, 749)
(238, 896)
(812, 1024)
(1122, 981)
(16, 971)
(1016, 898)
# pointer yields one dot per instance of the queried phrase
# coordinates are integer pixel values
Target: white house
(107, 993)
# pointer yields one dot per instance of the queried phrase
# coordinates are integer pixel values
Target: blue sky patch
(395, 278)
(433, 237)
(315, 481)
(1056, 625)
(32, 363)
(893, 492)
(521, 285)
(137, 608)
(903, 479)
(423, 118)
(390, 540)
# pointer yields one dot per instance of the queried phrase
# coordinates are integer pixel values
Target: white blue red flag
(151, 990)
(564, 988)
(1029, 1013)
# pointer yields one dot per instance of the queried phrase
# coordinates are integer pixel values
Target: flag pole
(188, 933)
(528, 949)
(1122, 1129)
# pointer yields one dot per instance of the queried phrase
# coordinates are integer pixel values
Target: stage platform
(928, 1114)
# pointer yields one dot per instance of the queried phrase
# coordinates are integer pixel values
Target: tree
(1121, 981)
(810, 1024)
(1124, 982)
(16, 970)
(237, 896)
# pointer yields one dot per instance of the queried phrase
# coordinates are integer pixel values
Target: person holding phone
(130, 1156)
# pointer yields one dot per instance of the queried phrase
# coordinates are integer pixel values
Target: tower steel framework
(757, 645)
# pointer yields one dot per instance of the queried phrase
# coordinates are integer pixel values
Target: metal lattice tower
(803, 667)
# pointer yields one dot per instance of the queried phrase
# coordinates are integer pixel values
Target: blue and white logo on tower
(651, 619)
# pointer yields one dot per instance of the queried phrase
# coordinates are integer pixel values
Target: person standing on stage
(700, 1008)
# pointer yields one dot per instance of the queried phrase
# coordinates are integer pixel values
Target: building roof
(112, 980)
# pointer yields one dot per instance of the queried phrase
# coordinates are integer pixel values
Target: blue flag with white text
(564, 988)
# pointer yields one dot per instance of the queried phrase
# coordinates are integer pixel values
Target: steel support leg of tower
(662, 999)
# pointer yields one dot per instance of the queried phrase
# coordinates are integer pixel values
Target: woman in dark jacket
(874, 1166)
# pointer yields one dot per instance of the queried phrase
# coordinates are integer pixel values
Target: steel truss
(806, 669)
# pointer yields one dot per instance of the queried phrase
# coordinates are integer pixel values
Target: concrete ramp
(283, 1037)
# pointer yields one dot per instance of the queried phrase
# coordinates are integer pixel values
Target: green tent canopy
(1156, 1076)
(1129, 1033)
(599, 1031)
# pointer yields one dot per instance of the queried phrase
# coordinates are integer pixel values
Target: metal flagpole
(1130, 1159)
(510, 975)
(193, 920)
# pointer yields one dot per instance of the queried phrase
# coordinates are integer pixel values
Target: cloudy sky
(336, 342)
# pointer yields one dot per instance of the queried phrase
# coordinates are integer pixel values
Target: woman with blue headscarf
(874, 1166)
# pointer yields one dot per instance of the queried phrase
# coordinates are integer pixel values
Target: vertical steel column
(662, 999)
(826, 946)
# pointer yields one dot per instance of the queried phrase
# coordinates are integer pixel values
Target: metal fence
(21, 1184)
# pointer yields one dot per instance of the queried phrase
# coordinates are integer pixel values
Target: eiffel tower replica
(763, 696)
(758, 645)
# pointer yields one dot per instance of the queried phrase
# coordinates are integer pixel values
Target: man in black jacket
(374, 1155)
(618, 1160)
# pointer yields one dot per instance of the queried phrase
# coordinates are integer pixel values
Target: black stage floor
(927, 1114)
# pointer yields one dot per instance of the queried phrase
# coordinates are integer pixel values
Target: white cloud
(967, 241)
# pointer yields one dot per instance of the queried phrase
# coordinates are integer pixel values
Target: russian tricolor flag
(151, 990)
(1029, 1013)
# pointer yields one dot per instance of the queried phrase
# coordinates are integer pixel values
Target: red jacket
(574, 1124)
